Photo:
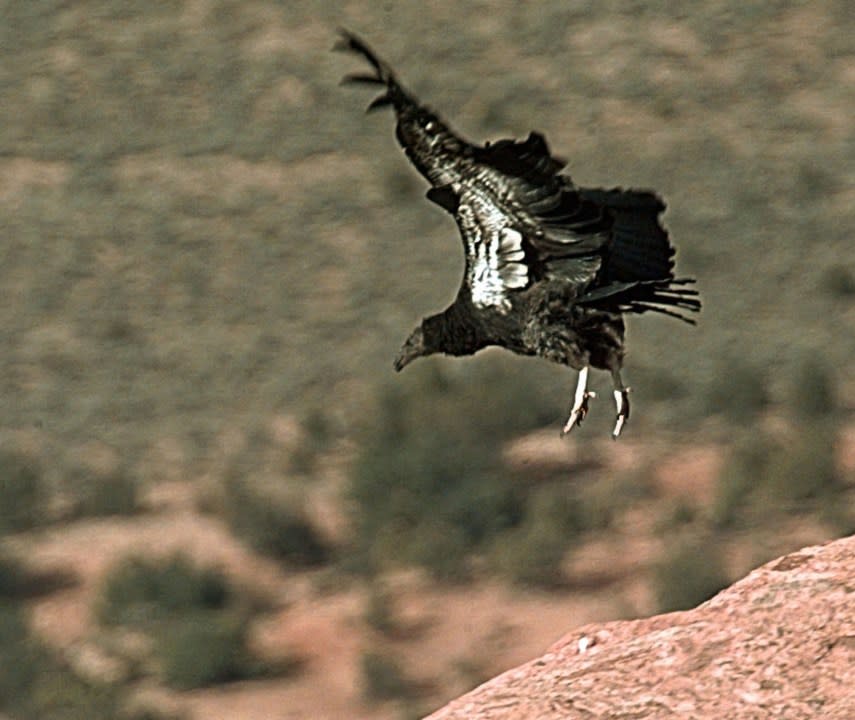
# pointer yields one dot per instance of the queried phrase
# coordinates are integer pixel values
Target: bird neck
(453, 332)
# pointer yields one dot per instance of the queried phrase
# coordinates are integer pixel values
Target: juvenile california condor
(550, 267)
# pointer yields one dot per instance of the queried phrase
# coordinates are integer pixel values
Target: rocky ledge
(778, 644)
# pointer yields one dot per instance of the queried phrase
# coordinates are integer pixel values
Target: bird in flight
(551, 268)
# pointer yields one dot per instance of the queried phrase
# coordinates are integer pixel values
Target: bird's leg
(622, 403)
(580, 402)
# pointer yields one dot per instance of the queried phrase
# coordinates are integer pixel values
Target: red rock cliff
(779, 644)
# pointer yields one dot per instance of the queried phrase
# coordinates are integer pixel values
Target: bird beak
(413, 348)
(400, 362)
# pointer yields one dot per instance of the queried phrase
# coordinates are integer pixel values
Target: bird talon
(577, 415)
(580, 402)
(622, 402)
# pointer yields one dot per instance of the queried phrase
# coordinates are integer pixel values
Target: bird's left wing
(521, 221)
(563, 222)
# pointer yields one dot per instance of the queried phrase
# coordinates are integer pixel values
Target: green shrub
(804, 469)
(18, 581)
(379, 611)
(58, 694)
(383, 678)
(15, 650)
(194, 616)
(139, 591)
(442, 548)
(428, 486)
(839, 282)
(738, 390)
(430, 499)
(272, 526)
(315, 438)
(14, 577)
(682, 513)
(530, 556)
(811, 394)
(471, 671)
(691, 573)
(784, 476)
(598, 502)
(205, 648)
(99, 495)
(742, 474)
(532, 553)
(35, 685)
(22, 491)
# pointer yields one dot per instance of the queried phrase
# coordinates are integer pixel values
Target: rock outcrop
(779, 644)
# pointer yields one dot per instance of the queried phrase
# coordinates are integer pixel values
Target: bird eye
(430, 126)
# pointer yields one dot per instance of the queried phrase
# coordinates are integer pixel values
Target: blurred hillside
(211, 256)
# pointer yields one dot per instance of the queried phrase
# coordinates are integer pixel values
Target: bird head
(451, 332)
(413, 348)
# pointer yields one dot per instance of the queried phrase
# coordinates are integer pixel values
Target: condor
(551, 268)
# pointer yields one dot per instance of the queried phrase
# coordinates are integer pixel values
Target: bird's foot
(578, 412)
(580, 402)
(622, 403)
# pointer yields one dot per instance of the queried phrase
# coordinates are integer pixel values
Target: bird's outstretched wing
(522, 221)
(609, 244)
(520, 218)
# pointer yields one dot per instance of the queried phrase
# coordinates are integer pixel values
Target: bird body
(550, 268)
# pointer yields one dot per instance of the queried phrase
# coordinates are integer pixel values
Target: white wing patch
(512, 267)
(495, 258)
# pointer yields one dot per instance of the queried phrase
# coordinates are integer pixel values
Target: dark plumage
(550, 268)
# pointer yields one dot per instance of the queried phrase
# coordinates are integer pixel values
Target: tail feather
(640, 248)
(665, 296)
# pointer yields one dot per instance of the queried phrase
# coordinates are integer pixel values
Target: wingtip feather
(361, 79)
(380, 101)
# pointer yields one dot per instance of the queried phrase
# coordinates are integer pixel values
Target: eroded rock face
(779, 644)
